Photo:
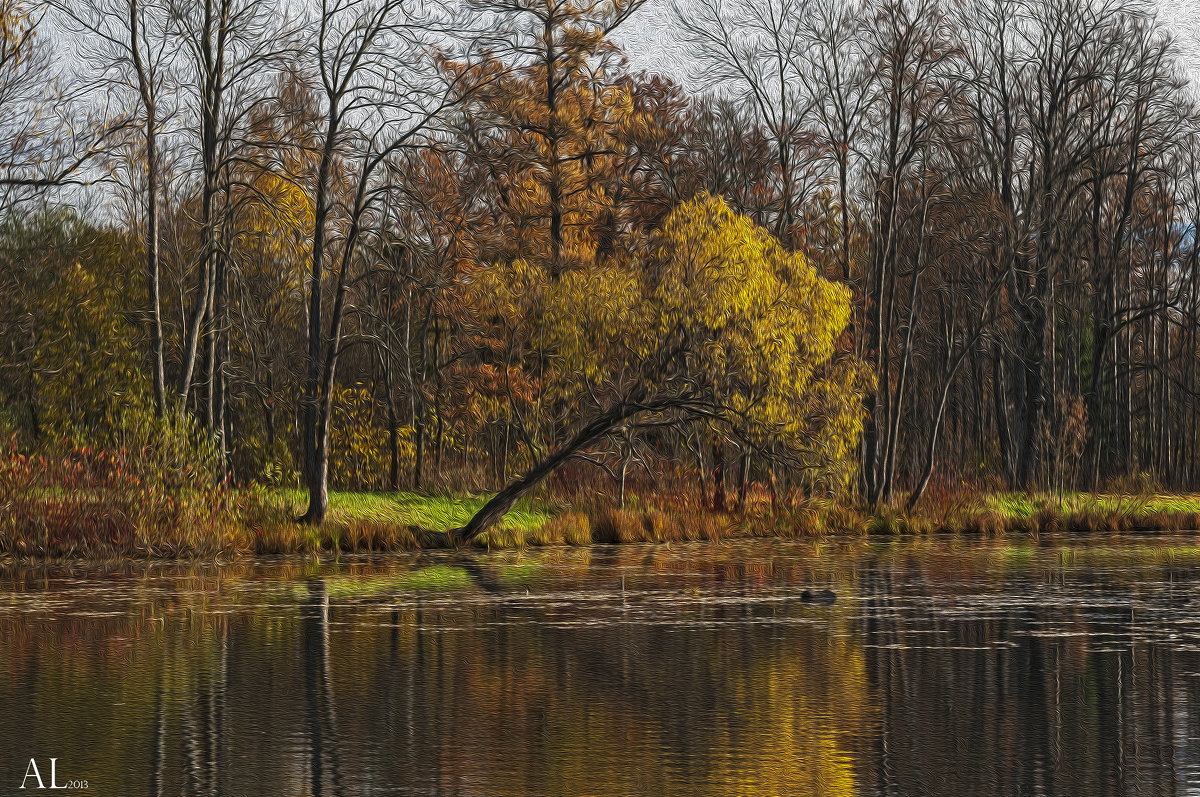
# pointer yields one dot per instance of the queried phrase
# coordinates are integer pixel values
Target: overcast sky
(648, 36)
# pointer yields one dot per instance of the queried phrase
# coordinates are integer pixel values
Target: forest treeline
(866, 246)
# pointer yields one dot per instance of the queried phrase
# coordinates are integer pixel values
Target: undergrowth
(166, 500)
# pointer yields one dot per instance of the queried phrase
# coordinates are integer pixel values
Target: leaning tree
(721, 323)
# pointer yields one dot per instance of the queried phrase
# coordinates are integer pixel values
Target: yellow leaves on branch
(763, 309)
(766, 327)
(16, 33)
(757, 324)
(355, 453)
(85, 361)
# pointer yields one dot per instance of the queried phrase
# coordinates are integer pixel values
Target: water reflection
(318, 690)
(942, 669)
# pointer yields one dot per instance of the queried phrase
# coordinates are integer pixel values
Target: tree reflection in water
(942, 669)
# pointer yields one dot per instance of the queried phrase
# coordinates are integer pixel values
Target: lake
(944, 667)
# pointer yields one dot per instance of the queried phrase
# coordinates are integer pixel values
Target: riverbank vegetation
(862, 265)
(104, 513)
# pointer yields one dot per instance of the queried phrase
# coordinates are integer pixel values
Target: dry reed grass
(83, 504)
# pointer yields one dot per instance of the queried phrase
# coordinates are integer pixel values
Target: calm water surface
(1056, 667)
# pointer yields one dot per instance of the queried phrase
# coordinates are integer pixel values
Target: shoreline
(262, 523)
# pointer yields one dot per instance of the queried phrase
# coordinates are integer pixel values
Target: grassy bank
(1072, 513)
(98, 523)
(403, 521)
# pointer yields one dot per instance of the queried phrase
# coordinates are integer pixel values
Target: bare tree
(837, 80)
(758, 50)
(129, 45)
(233, 47)
(381, 94)
(48, 136)
(910, 47)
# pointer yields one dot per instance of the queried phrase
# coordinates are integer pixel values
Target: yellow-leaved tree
(721, 323)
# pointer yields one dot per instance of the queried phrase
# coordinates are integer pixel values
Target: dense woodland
(873, 248)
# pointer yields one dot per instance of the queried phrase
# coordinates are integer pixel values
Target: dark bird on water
(820, 596)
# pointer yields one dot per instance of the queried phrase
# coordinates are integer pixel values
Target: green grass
(1070, 512)
(261, 521)
(436, 578)
(1019, 505)
(541, 522)
(390, 522)
(1010, 506)
(433, 513)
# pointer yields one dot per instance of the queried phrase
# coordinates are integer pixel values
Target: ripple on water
(943, 668)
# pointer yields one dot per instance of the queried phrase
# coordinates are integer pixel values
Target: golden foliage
(719, 307)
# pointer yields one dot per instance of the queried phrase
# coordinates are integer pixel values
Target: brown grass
(83, 504)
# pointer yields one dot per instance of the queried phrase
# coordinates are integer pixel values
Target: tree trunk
(495, 509)
(316, 460)
(152, 270)
(931, 448)
(718, 503)
(744, 478)
(317, 475)
(212, 75)
(419, 454)
(1035, 395)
